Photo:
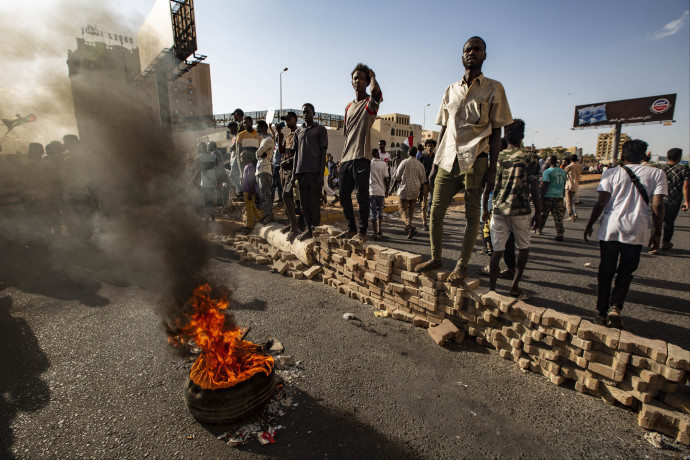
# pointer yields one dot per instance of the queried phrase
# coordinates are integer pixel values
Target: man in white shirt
(264, 171)
(383, 155)
(378, 185)
(625, 225)
(411, 177)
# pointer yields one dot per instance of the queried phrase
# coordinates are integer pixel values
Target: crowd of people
(509, 192)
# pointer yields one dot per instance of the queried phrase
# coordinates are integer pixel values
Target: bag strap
(636, 181)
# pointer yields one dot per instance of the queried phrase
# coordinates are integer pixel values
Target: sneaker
(413, 232)
(613, 317)
(291, 236)
(358, 239)
(305, 235)
(380, 234)
(539, 232)
(666, 246)
(430, 264)
(286, 229)
(560, 238)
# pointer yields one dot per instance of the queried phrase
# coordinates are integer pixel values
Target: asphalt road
(87, 373)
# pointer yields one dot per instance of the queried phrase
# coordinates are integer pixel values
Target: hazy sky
(550, 56)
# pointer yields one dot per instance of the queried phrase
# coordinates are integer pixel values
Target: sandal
(522, 295)
(346, 235)
(507, 274)
(358, 239)
(430, 264)
(459, 273)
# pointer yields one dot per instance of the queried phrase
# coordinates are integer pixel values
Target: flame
(225, 358)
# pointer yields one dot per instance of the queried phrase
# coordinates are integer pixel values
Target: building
(605, 146)
(429, 135)
(190, 98)
(395, 129)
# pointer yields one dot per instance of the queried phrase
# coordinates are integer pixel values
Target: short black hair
(201, 147)
(515, 132)
(675, 154)
(413, 151)
(309, 104)
(574, 158)
(553, 159)
(375, 153)
(233, 124)
(430, 142)
(362, 68)
(238, 112)
(635, 150)
(382, 142)
(477, 38)
(262, 124)
(248, 118)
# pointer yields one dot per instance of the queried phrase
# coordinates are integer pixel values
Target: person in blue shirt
(552, 193)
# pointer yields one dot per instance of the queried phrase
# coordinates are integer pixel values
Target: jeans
(670, 214)
(376, 206)
(264, 181)
(355, 172)
(627, 258)
(446, 186)
(310, 198)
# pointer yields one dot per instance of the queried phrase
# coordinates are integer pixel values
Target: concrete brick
(280, 267)
(402, 315)
(528, 311)
(442, 275)
(297, 274)
(561, 320)
(619, 395)
(502, 302)
(311, 272)
(669, 373)
(470, 284)
(420, 321)
(678, 358)
(409, 276)
(655, 349)
(383, 276)
(433, 318)
(408, 260)
(679, 400)
(657, 416)
(606, 371)
(605, 359)
(555, 332)
(597, 333)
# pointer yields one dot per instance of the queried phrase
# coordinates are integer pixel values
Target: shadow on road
(314, 430)
(21, 364)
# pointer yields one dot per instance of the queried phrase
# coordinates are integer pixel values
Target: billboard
(641, 110)
(156, 34)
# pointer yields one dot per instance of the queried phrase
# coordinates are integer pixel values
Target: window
(177, 111)
(177, 100)
(190, 80)
(392, 132)
(191, 112)
(411, 133)
(191, 102)
(191, 91)
(174, 90)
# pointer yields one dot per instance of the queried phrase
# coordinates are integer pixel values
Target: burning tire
(229, 404)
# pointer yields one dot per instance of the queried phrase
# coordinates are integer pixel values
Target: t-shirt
(359, 117)
(377, 177)
(428, 162)
(247, 140)
(515, 169)
(574, 171)
(309, 143)
(626, 216)
(265, 164)
(411, 175)
(206, 163)
(249, 179)
(556, 178)
(676, 176)
(385, 157)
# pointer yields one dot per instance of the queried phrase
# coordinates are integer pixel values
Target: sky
(549, 56)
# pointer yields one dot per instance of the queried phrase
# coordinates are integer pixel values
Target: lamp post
(281, 91)
(424, 126)
(535, 132)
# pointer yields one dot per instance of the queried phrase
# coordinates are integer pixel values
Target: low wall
(649, 376)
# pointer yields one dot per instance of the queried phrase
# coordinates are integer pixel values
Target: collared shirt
(310, 143)
(359, 117)
(676, 176)
(264, 163)
(469, 114)
(515, 169)
(574, 172)
(411, 175)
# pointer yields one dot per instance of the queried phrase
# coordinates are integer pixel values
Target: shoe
(459, 273)
(305, 236)
(539, 232)
(286, 229)
(486, 271)
(381, 234)
(413, 232)
(426, 227)
(430, 264)
(666, 246)
(560, 238)
(599, 320)
(613, 317)
(358, 239)
(346, 235)
(291, 236)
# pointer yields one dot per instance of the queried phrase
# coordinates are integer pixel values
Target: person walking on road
(552, 192)
(473, 111)
(574, 172)
(408, 180)
(379, 179)
(628, 194)
(678, 178)
(360, 115)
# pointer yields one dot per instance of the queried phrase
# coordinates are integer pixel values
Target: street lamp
(424, 128)
(281, 91)
(535, 132)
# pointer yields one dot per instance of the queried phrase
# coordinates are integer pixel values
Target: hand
(588, 232)
(654, 242)
(485, 216)
(372, 77)
(684, 207)
(432, 175)
(489, 180)
(537, 220)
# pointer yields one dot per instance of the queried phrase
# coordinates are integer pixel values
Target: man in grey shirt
(311, 144)
(355, 162)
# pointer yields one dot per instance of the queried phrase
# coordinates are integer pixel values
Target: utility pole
(281, 92)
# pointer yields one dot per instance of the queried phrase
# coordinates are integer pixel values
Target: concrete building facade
(191, 104)
(394, 128)
(604, 152)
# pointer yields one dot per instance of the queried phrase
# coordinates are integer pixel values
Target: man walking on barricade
(360, 115)
(473, 111)
(630, 196)
(517, 178)
(311, 144)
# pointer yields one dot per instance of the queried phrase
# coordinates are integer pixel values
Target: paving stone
(597, 333)
(502, 302)
(605, 359)
(280, 267)
(606, 371)
(409, 276)
(655, 349)
(619, 395)
(678, 358)
(420, 321)
(657, 416)
(528, 311)
(680, 400)
(561, 320)
(313, 271)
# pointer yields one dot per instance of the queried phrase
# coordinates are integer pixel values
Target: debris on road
(283, 362)
(655, 439)
(349, 316)
(381, 313)
(462, 384)
(446, 331)
(588, 264)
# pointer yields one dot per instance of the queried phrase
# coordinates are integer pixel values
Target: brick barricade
(650, 376)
